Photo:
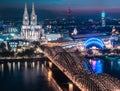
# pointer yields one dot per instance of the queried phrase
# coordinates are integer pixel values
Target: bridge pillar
(50, 64)
(70, 86)
(45, 63)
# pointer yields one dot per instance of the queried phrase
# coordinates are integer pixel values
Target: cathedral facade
(30, 30)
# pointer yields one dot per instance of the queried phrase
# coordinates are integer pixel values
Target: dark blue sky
(63, 4)
(48, 8)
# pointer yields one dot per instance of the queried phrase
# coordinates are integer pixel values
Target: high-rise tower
(69, 11)
(25, 16)
(103, 19)
(33, 16)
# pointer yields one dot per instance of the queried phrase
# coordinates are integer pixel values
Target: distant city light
(103, 14)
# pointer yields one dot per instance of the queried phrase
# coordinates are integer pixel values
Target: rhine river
(32, 75)
(23, 76)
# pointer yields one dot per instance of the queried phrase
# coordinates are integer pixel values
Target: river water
(23, 76)
(31, 75)
(110, 66)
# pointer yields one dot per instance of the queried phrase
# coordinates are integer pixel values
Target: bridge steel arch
(49, 51)
(58, 49)
(92, 81)
(94, 42)
(67, 60)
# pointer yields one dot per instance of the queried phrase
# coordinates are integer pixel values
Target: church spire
(33, 9)
(25, 10)
(25, 16)
(33, 16)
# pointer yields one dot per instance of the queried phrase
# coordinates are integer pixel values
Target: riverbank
(15, 59)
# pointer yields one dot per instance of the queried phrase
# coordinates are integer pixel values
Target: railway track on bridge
(71, 65)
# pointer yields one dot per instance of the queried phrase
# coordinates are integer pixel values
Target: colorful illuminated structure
(30, 30)
(103, 19)
(94, 42)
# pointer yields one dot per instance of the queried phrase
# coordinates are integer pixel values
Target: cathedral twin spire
(26, 16)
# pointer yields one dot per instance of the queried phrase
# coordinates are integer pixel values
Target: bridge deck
(71, 65)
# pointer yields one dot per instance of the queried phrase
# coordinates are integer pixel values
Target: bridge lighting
(49, 75)
(117, 90)
(50, 64)
(70, 87)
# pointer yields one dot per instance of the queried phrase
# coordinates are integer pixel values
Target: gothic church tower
(25, 16)
(33, 16)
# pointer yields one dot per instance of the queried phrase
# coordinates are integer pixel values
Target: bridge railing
(72, 63)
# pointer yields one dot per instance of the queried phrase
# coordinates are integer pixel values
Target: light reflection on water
(25, 65)
(18, 65)
(97, 66)
(9, 66)
(23, 76)
(2, 67)
(13, 66)
(94, 65)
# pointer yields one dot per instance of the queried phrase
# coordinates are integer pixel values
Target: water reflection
(97, 65)
(42, 68)
(23, 76)
(25, 65)
(38, 66)
(2, 69)
(33, 64)
(18, 65)
(45, 63)
(13, 66)
(9, 66)
(94, 65)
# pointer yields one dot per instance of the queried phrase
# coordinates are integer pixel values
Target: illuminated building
(52, 37)
(114, 37)
(75, 32)
(94, 42)
(15, 44)
(30, 30)
(103, 19)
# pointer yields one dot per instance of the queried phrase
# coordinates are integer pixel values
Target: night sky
(63, 4)
(11, 9)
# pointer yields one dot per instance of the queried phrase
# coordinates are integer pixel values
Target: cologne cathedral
(30, 30)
